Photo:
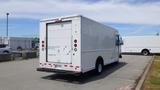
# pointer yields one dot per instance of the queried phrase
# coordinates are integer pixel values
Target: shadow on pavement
(139, 54)
(86, 77)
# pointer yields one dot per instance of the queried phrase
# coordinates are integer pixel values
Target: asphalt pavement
(22, 75)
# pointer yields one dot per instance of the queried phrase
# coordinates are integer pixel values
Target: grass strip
(152, 81)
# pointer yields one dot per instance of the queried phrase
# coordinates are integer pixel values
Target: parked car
(4, 48)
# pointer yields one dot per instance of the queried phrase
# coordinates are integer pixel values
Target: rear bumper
(57, 71)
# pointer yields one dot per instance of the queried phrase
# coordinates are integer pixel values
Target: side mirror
(121, 43)
(117, 43)
(119, 40)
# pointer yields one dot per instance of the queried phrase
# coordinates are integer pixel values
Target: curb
(144, 74)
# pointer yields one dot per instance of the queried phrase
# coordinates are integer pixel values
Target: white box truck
(141, 44)
(76, 44)
(17, 43)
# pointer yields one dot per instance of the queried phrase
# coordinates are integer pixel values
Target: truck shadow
(139, 54)
(86, 77)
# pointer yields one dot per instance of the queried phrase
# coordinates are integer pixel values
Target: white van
(141, 44)
(76, 44)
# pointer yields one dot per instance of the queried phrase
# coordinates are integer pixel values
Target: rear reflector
(65, 65)
(77, 66)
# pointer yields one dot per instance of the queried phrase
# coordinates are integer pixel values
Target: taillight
(42, 45)
(75, 45)
(75, 41)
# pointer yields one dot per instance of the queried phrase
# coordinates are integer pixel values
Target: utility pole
(7, 25)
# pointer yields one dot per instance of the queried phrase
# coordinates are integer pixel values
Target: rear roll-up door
(59, 37)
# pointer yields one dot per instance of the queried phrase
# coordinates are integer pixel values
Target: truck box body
(74, 43)
(136, 44)
(17, 42)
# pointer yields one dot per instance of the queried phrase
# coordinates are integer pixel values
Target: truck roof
(71, 16)
(49, 19)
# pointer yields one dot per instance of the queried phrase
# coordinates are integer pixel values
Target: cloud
(135, 1)
(138, 31)
(115, 11)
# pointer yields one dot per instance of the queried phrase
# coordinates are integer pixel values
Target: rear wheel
(6, 52)
(145, 52)
(19, 48)
(99, 67)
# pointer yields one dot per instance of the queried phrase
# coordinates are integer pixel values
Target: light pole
(7, 25)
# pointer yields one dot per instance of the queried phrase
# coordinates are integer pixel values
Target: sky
(129, 17)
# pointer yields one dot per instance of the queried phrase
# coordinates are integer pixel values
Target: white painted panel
(97, 40)
(59, 42)
(138, 43)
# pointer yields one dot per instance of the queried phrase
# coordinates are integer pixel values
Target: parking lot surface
(22, 75)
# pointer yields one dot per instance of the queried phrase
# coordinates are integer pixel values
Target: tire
(19, 48)
(99, 68)
(145, 52)
(6, 52)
